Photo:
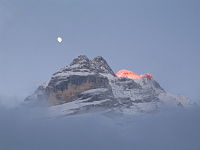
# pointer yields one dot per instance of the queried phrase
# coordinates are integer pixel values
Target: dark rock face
(81, 75)
(67, 89)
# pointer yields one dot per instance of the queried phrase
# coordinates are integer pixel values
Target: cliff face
(62, 91)
(91, 84)
(67, 84)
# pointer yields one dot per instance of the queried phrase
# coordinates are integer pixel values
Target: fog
(24, 128)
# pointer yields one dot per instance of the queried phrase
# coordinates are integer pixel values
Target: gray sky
(158, 36)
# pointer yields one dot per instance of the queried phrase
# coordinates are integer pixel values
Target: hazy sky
(161, 37)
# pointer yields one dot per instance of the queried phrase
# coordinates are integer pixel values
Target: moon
(59, 39)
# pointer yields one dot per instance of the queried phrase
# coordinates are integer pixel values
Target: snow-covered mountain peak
(81, 62)
(100, 64)
(83, 65)
(88, 85)
(132, 75)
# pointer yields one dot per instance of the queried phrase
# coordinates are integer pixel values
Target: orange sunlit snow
(132, 75)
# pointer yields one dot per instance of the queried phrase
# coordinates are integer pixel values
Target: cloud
(23, 129)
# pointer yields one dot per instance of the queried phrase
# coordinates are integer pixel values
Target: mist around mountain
(26, 129)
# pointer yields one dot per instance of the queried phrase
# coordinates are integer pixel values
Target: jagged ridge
(87, 85)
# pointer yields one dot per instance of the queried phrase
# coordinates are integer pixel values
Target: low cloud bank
(25, 129)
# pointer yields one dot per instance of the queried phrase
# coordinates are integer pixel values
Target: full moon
(59, 39)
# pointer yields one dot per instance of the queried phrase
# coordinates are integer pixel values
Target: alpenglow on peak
(88, 85)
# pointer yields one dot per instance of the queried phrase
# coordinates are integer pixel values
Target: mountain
(91, 85)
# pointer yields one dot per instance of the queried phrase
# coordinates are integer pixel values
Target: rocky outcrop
(65, 90)
(67, 84)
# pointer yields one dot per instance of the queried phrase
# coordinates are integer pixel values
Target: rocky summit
(91, 85)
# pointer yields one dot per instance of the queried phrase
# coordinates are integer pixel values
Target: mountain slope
(90, 85)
